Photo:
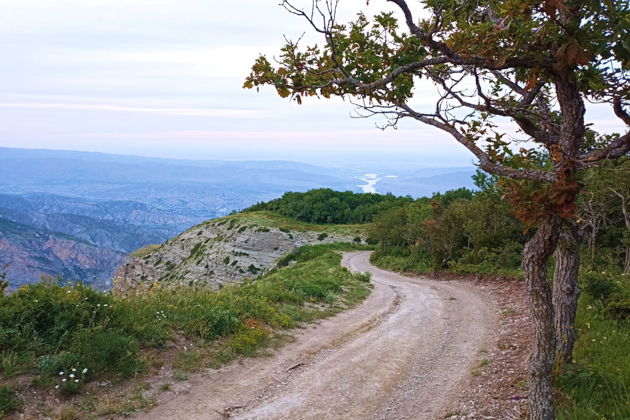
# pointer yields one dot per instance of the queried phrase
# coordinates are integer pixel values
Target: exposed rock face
(76, 239)
(32, 253)
(220, 251)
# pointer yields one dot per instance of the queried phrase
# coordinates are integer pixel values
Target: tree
(565, 290)
(609, 193)
(530, 62)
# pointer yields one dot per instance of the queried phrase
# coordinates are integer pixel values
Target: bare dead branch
(619, 111)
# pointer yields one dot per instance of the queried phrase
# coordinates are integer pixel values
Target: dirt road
(402, 354)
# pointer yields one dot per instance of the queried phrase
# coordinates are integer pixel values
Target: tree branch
(485, 162)
(619, 111)
(615, 149)
(443, 49)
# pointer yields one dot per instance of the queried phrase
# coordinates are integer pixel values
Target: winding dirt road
(404, 353)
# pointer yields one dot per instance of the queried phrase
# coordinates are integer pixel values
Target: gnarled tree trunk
(566, 291)
(535, 257)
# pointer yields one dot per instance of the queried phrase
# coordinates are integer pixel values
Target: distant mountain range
(78, 214)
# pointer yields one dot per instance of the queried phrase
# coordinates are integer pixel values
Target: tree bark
(535, 257)
(566, 291)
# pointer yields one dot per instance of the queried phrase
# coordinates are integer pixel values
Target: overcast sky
(163, 78)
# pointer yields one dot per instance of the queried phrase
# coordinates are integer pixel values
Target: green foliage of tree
(459, 230)
(533, 62)
(324, 206)
(604, 212)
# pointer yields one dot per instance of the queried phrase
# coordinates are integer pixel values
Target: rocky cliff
(31, 253)
(76, 239)
(225, 250)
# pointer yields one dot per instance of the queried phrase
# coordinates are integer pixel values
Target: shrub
(248, 340)
(47, 315)
(600, 285)
(71, 380)
(363, 277)
(211, 321)
(107, 350)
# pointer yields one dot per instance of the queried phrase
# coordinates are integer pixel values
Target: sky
(164, 78)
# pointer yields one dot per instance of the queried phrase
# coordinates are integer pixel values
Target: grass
(597, 384)
(401, 263)
(266, 219)
(47, 328)
(144, 251)
(423, 264)
(10, 402)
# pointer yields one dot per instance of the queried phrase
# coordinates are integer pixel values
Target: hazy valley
(77, 215)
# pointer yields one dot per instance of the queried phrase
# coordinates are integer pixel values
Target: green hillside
(227, 250)
(68, 339)
(48, 328)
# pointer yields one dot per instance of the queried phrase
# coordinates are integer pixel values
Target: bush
(48, 315)
(107, 350)
(402, 261)
(211, 321)
(363, 277)
(600, 285)
(248, 340)
(611, 290)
